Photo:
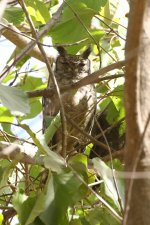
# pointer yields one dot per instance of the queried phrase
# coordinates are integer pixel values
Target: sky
(6, 48)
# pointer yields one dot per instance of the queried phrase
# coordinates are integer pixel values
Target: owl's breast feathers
(79, 104)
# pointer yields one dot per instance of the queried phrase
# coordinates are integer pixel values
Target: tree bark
(137, 103)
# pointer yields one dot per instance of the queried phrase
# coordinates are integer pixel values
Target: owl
(79, 104)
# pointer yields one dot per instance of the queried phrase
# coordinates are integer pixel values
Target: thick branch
(16, 151)
(91, 79)
(137, 90)
(94, 77)
(115, 155)
(14, 35)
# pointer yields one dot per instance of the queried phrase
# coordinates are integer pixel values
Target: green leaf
(110, 188)
(75, 222)
(18, 64)
(5, 173)
(51, 159)
(28, 208)
(35, 109)
(14, 15)
(110, 10)
(28, 84)
(18, 199)
(7, 128)
(100, 216)
(79, 163)
(35, 170)
(72, 17)
(84, 221)
(63, 190)
(54, 124)
(104, 103)
(115, 106)
(117, 165)
(31, 83)
(5, 119)
(54, 162)
(38, 11)
(88, 149)
(122, 128)
(60, 31)
(112, 113)
(53, 2)
(91, 4)
(34, 206)
(118, 91)
(1, 219)
(5, 115)
(97, 35)
(78, 158)
(102, 88)
(118, 100)
(14, 99)
(85, 11)
(43, 149)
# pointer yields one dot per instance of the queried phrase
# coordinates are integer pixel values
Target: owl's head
(73, 64)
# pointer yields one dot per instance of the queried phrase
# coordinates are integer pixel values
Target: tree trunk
(137, 103)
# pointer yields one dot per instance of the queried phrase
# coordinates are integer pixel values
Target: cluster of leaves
(61, 194)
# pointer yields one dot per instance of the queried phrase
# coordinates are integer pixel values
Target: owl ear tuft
(61, 51)
(86, 53)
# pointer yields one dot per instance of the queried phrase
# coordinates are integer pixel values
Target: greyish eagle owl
(79, 104)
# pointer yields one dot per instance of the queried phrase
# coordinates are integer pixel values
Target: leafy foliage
(38, 11)
(51, 190)
(14, 15)
(14, 99)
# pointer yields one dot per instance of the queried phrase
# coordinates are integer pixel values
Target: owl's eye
(64, 62)
(81, 64)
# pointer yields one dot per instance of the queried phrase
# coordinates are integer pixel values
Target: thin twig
(87, 135)
(111, 29)
(113, 21)
(9, 136)
(67, 45)
(119, 154)
(51, 77)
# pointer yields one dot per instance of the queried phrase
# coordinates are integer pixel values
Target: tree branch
(14, 35)
(91, 79)
(16, 151)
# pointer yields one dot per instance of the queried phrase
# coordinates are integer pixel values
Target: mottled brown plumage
(79, 104)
